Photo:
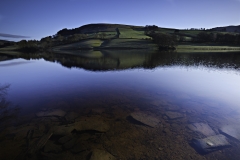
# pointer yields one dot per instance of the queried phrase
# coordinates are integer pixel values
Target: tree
(151, 27)
(164, 41)
(176, 31)
(182, 39)
(102, 35)
(46, 41)
(63, 32)
(205, 37)
(118, 32)
(60, 38)
(22, 44)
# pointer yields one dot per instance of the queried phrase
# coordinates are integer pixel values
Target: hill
(234, 29)
(102, 36)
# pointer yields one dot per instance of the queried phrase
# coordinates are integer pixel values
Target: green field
(128, 39)
(129, 43)
(104, 37)
(206, 48)
(130, 33)
(84, 44)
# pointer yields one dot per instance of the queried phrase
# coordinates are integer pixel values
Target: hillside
(234, 29)
(126, 37)
(119, 36)
(104, 36)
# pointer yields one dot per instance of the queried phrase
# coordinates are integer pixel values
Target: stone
(70, 144)
(53, 112)
(22, 131)
(51, 147)
(63, 130)
(37, 134)
(98, 154)
(91, 124)
(86, 124)
(167, 131)
(41, 127)
(174, 115)
(210, 144)
(65, 139)
(34, 147)
(231, 130)
(145, 119)
(71, 116)
(78, 148)
(202, 128)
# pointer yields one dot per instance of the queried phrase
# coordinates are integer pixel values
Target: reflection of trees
(6, 57)
(7, 113)
(229, 60)
(119, 60)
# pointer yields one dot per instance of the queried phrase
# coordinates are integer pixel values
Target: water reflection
(8, 112)
(119, 60)
(146, 106)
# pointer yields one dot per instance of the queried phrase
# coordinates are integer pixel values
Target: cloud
(12, 36)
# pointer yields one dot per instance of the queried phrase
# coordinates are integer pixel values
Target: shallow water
(96, 100)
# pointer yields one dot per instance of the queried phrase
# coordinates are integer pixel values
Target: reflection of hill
(5, 57)
(119, 60)
(92, 60)
(114, 60)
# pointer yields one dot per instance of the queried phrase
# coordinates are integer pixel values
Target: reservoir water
(120, 105)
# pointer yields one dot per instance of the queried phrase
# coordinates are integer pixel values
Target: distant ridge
(94, 27)
(235, 29)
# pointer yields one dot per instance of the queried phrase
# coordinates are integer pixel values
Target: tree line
(233, 39)
(163, 40)
(169, 40)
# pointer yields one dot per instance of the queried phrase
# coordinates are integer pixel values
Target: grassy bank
(206, 48)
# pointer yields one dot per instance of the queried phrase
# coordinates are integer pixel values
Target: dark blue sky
(40, 18)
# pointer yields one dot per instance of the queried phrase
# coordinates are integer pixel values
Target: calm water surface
(122, 105)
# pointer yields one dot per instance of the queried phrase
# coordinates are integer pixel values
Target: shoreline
(180, 48)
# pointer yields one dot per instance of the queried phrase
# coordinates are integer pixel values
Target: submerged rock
(63, 130)
(98, 154)
(69, 144)
(145, 119)
(174, 115)
(202, 128)
(51, 147)
(87, 124)
(91, 124)
(54, 112)
(40, 143)
(231, 130)
(65, 139)
(71, 116)
(210, 144)
(79, 147)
